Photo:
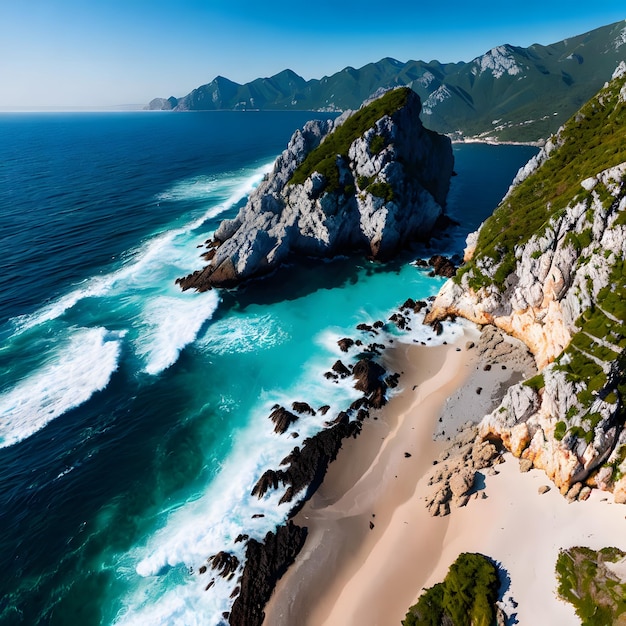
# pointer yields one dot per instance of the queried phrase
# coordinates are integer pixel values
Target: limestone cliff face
(548, 268)
(369, 182)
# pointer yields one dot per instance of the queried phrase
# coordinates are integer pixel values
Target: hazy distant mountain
(509, 93)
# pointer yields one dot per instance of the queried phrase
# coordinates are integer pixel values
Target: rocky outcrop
(453, 478)
(370, 182)
(548, 268)
(265, 564)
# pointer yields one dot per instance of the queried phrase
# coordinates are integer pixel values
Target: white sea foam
(171, 248)
(169, 324)
(232, 185)
(212, 521)
(93, 287)
(249, 334)
(82, 366)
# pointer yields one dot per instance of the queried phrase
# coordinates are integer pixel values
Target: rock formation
(548, 268)
(370, 182)
(265, 564)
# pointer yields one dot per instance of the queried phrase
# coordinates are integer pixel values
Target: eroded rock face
(391, 189)
(569, 419)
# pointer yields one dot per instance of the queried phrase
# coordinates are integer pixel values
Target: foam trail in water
(155, 251)
(233, 186)
(169, 324)
(83, 366)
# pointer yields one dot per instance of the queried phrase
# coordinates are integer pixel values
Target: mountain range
(509, 93)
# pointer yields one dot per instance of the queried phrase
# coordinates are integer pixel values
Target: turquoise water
(133, 417)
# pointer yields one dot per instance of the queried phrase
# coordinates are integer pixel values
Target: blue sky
(110, 52)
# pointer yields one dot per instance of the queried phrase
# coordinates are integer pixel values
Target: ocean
(133, 416)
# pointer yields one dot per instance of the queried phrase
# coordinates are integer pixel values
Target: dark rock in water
(358, 404)
(282, 419)
(342, 418)
(385, 187)
(377, 398)
(442, 266)
(341, 369)
(438, 327)
(367, 374)
(224, 563)
(345, 343)
(270, 480)
(392, 380)
(324, 409)
(366, 328)
(399, 320)
(258, 515)
(379, 324)
(241, 537)
(265, 564)
(308, 465)
(362, 415)
(409, 303)
(302, 407)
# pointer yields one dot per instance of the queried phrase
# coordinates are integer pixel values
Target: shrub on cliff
(466, 596)
(323, 158)
(590, 584)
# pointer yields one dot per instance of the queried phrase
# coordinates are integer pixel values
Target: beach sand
(373, 546)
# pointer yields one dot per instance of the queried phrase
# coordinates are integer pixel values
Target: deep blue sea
(133, 416)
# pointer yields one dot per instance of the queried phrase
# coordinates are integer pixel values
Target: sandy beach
(372, 544)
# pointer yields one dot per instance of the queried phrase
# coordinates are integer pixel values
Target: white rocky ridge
(391, 188)
(499, 61)
(441, 94)
(562, 421)
(620, 40)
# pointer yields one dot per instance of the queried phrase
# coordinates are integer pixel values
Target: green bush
(559, 430)
(378, 144)
(598, 596)
(536, 382)
(381, 190)
(466, 596)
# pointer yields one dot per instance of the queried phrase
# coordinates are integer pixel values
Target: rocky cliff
(370, 182)
(548, 268)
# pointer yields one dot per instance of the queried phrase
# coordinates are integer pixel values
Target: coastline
(370, 480)
(372, 544)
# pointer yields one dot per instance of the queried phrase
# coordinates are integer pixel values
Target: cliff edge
(369, 182)
(548, 268)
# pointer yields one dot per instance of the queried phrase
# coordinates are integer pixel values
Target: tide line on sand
(373, 546)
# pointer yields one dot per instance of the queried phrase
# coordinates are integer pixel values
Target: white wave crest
(83, 366)
(170, 323)
(170, 248)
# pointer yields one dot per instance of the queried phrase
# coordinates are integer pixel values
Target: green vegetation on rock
(587, 580)
(336, 145)
(590, 142)
(466, 596)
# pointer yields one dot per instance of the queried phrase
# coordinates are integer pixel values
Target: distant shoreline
(496, 142)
